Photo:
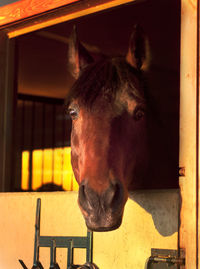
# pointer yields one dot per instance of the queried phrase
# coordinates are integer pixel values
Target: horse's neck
(162, 157)
(159, 168)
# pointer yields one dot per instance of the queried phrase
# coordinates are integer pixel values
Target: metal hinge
(166, 258)
(181, 172)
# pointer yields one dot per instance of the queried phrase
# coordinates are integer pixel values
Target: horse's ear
(138, 51)
(78, 56)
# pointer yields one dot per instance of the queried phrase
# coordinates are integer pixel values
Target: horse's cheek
(74, 142)
(75, 154)
(74, 163)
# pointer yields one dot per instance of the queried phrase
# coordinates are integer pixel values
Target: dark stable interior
(42, 72)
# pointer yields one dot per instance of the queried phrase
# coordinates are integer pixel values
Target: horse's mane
(104, 78)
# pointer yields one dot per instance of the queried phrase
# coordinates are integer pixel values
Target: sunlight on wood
(69, 182)
(25, 170)
(37, 169)
(67, 17)
(49, 166)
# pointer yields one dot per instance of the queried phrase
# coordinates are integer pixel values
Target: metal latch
(166, 258)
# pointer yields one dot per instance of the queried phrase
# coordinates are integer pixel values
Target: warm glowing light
(69, 182)
(37, 169)
(49, 166)
(25, 170)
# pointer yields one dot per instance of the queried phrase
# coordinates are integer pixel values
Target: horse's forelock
(104, 79)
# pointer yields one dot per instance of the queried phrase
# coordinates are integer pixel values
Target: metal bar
(177, 261)
(63, 241)
(53, 263)
(89, 246)
(70, 254)
(53, 254)
(40, 99)
(164, 252)
(37, 233)
(168, 256)
(23, 264)
(69, 242)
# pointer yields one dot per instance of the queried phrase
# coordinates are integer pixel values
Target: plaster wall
(150, 221)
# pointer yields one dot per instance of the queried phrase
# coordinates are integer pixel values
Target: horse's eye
(73, 113)
(139, 113)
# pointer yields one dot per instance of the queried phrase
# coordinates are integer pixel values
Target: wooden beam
(67, 13)
(27, 8)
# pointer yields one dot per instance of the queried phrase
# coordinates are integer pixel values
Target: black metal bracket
(165, 258)
(53, 242)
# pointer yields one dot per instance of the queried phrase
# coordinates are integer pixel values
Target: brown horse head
(108, 139)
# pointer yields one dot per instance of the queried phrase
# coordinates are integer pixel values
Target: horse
(110, 145)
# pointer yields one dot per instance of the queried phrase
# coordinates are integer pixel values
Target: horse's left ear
(78, 56)
(138, 51)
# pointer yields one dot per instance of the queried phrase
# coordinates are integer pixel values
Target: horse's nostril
(88, 198)
(111, 199)
(82, 192)
(117, 194)
(113, 195)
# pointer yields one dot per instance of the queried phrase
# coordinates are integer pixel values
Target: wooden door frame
(189, 133)
(7, 82)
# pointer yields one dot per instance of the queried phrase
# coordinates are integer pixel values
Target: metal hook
(54, 266)
(23, 264)
(38, 266)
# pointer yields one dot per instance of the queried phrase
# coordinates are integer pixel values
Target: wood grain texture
(26, 8)
(198, 130)
(67, 13)
(189, 134)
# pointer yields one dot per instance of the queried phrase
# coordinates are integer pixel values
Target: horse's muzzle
(102, 211)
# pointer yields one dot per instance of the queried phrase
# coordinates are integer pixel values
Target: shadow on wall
(163, 205)
(50, 187)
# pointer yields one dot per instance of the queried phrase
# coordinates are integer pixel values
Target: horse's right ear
(138, 52)
(78, 56)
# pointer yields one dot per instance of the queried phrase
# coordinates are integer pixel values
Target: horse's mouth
(104, 229)
(102, 225)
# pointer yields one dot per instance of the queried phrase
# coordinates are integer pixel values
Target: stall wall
(150, 221)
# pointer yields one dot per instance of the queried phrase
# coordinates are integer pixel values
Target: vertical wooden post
(2, 104)
(6, 108)
(189, 133)
(198, 104)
